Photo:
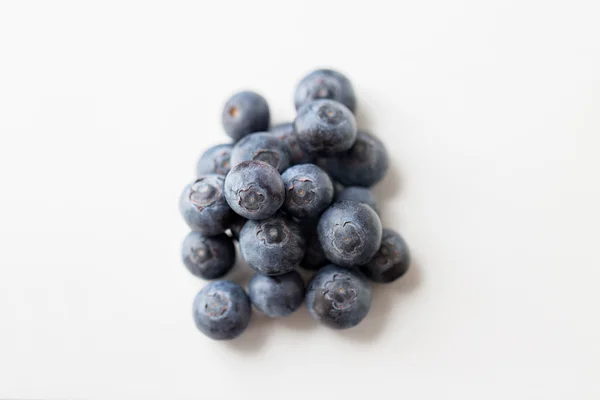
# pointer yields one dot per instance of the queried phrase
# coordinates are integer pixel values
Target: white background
(490, 111)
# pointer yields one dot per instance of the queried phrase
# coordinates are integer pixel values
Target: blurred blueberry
(360, 194)
(325, 84)
(285, 133)
(309, 191)
(215, 160)
(364, 164)
(350, 233)
(261, 146)
(222, 310)
(314, 258)
(338, 297)
(391, 260)
(272, 246)
(236, 226)
(203, 205)
(325, 127)
(244, 113)
(208, 257)
(276, 296)
(254, 189)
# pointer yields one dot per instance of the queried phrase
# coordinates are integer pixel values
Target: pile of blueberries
(293, 196)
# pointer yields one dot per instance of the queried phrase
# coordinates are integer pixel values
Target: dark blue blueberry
(391, 261)
(360, 194)
(261, 146)
(325, 84)
(203, 205)
(314, 258)
(222, 310)
(350, 233)
(364, 164)
(325, 127)
(215, 160)
(308, 191)
(208, 257)
(254, 189)
(244, 113)
(285, 133)
(276, 296)
(236, 226)
(273, 246)
(338, 297)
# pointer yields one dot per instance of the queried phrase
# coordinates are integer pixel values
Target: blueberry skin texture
(208, 257)
(391, 261)
(222, 310)
(285, 133)
(364, 164)
(254, 190)
(245, 113)
(325, 84)
(338, 297)
(273, 246)
(261, 146)
(360, 194)
(276, 296)
(203, 205)
(350, 233)
(308, 191)
(325, 127)
(314, 258)
(215, 160)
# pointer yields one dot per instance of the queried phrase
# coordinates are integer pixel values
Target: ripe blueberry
(261, 146)
(244, 113)
(215, 160)
(338, 297)
(308, 191)
(208, 257)
(254, 189)
(203, 205)
(285, 133)
(325, 84)
(272, 246)
(276, 296)
(364, 164)
(222, 310)
(391, 260)
(350, 233)
(325, 127)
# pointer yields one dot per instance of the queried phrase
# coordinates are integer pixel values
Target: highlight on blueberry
(325, 84)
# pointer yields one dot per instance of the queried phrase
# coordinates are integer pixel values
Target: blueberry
(273, 246)
(222, 310)
(314, 258)
(244, 113)
(254, 189)
(364, 164)
(215, 160)
(261, 146)
(203, 205)
(325, 84)
(360, 194)
(285, 133)
(337, 297)
(276, 296)
(236, 226)
(391, 261)
(325, 127)
(308, 191)
(208, 257)
(350, 233)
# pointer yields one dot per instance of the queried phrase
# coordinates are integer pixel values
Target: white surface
(490, 112)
